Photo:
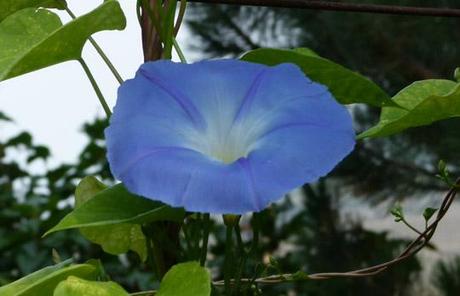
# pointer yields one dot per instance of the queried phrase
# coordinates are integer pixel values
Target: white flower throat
(225, 140)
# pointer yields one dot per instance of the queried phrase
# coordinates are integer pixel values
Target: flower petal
(295, 155)
(224, 136)
(184, 178)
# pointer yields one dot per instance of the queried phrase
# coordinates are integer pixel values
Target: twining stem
(180, 16)
(100, 52)
(204, 247)
(179, 51)
(96, 88)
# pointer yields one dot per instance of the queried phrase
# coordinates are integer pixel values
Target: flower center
(225, 143)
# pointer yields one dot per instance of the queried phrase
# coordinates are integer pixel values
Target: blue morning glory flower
(224, 136)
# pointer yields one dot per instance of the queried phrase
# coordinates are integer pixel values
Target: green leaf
(118, 239)
(75, 286)
(428, 213)
(31, 39)
(347, 86)
(115, 205)
(44, 281)
(114, 239)
(306, 51)
(186, 279)
(4, 117)
(23, 138)
(397, 212)
(423, 102)
(8, 7)
(87, 189)
(442, 167)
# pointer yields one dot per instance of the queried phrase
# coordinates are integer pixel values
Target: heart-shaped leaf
(31, 38)
(115, 205)
(423, 102)
(114, 239)
(8, 7)
(347, 86)
(186, 279)
(74, 286)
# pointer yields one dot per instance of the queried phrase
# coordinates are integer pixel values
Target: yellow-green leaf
(74, 286)
(186, 279)
(114, 239)
(8, 7)
(423, 102)
(44, 281)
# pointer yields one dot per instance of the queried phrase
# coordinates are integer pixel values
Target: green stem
(411, 227)
(180, 16)
(96, 88)
(179, 51)
(204, 247)
(168, 27)
(150, 257)
(242, 256)
(239, 240)
(100, 52)
(228, 264)
(158, 256)
(155, 254)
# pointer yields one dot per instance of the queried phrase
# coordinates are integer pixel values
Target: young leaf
(74, 286)
(31, 38)
(114, 239)
(347, 86)
(44, 281)
(8, 7)
(397, 212)
(428, 213)
(457, 74)
(186, 279)
(115, 205)
(423, 102)
(442, 166)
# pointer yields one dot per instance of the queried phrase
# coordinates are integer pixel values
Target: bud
(231, 220)
(457, 74)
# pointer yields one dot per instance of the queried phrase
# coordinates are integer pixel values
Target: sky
(53, 103)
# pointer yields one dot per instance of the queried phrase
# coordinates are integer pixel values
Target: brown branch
(413, 248)
(339, 6)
